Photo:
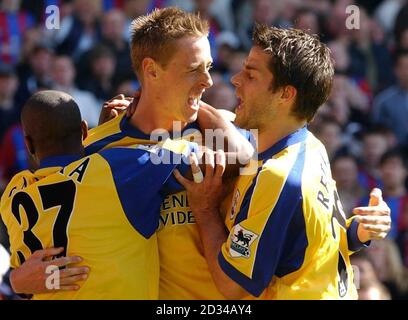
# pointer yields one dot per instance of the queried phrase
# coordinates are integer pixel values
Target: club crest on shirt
(241, 240)
(234, 204)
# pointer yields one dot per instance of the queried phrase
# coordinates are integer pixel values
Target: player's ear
(149, 68)
(28, 141)
(84, 128)
(31, 149)
(288, 93)
(29, 144)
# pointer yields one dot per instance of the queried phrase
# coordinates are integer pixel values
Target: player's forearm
(14, 282)
(239, 144)
(213, 236)
(227, 137)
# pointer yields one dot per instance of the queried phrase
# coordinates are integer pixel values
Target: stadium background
(364, 124)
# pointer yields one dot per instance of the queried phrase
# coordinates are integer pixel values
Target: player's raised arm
(236, 143)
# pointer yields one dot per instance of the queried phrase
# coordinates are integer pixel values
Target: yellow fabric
(184, 272)
(277, 221)
(123, 264)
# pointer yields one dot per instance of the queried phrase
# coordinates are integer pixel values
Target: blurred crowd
(364, 124)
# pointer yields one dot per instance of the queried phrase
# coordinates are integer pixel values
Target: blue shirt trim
(293, 138)
(243, 210)
(138, 182)
(276, 237)
(140, 177)
(353, 241)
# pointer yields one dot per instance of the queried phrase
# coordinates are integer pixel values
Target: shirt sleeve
(139, 175)
(354, 243)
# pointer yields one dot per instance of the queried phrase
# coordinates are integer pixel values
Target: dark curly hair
(300, 60)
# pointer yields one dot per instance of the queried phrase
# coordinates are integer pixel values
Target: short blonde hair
(154, 35)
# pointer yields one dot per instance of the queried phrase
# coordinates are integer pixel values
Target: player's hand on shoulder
(40, 274)
(375, 219)
(114, 107)
(133, 105)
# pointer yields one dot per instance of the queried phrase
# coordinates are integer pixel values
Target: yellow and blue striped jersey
(104, 208)
(184, 273)
(288, 234)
